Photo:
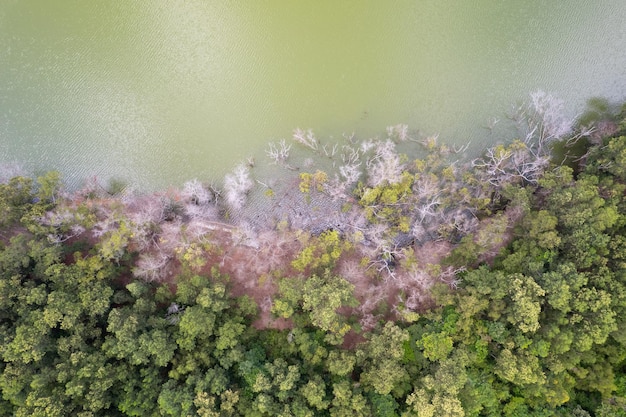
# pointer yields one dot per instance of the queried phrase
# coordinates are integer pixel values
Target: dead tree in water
(236, 186)
(540, 123)
(279, 152)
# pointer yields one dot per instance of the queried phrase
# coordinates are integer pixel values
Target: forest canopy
(436, 287)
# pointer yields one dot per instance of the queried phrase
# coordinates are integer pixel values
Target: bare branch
(399, 132)
(306, 138)
(278, 152)
(385, 165)
(236, 186)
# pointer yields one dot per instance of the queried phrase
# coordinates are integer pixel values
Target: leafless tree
(540, 122)
(151, 266)
(549, 118)
(236, 186)
(196, 193)
(330, 151)
(368, 321)
(367, 145)
(306, 138)
(278, 152)
(66, 223)
(199, 200)
(399, 132)
(266, 304)
(426, 186)
(340, 187)
(372, 298)
(351, 155)
(384, 165)
(450, 275)
(415, 299)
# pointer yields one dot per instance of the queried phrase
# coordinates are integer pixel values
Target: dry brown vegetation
(401, 217)
(166, 241)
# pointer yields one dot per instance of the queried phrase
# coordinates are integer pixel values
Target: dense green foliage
(540, 332)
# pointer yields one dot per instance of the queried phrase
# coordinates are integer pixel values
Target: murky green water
(160, 92)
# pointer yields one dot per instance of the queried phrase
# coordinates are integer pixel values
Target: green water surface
(158, 92)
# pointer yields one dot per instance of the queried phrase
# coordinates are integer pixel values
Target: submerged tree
(236, 186)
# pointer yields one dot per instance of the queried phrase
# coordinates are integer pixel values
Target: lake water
(156, 93)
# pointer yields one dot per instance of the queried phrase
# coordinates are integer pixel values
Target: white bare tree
(351, 155)
(236, 186)
(65, 222)
(306, 138)
(195, 192)
(426, 186)
(151, 266)
(341, 185)
(279, 152)
(399, 132)
(540, 123)
(384, 165)
(547, 118)
(198, 200)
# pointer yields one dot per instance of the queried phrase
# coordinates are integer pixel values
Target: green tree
(381, 360)
(318, 298)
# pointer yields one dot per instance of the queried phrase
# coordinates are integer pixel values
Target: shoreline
(493, 287)
(378, 205)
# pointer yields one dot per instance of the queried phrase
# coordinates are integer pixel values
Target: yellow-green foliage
(193, 256)
(315, 180)
(493, 233)
(49, 185)
(420, 165)
(114, 244)
(389, 203)
(318, 297)
(15, 200)
(321, 252)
